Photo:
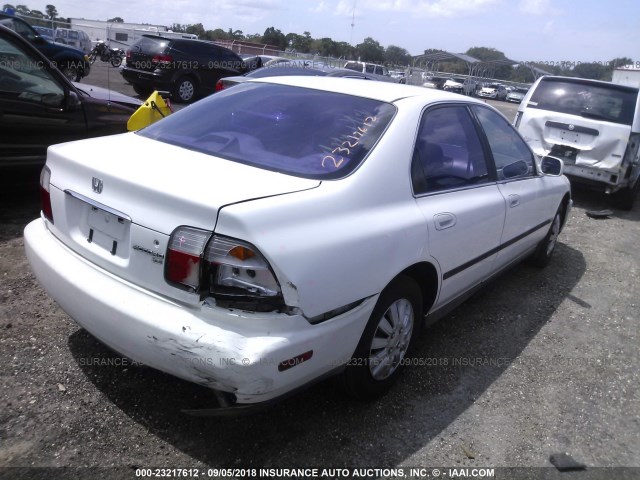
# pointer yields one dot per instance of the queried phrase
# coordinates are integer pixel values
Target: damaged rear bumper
(247, 357)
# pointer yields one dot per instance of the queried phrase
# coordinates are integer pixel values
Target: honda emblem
(96, 184)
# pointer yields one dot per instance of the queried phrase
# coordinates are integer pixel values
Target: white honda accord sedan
(289, 229)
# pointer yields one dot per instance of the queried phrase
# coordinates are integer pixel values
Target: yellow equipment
(153, 109)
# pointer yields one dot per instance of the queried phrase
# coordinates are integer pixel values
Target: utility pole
(353, 21)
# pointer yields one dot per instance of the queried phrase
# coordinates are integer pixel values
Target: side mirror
(73, 101)
(552, 166)
(515, 169)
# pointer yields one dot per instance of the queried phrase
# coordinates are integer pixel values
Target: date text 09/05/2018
(575, 63)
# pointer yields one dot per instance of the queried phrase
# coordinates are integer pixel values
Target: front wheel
(542, 256)
(73, 73)
(390, 333)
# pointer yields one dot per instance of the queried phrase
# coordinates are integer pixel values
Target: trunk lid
(117, 199)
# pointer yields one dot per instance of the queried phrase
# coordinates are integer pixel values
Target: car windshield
(610, 103)
(298, 131)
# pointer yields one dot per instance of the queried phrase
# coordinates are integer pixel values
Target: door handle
(444, 220)
(514, 200)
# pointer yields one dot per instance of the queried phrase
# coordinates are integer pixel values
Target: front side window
(299, 131)
(448, 152)
(611, 103)
(511, 156)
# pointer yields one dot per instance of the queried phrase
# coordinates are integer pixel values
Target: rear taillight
(237, 267)
(219, 86)
(232, 272)
(45, 196)
(162, 59)
(184, 253)
(128, 55)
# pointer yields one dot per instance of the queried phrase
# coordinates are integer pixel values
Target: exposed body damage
(227, 350)
(600, 154)
(593, 126)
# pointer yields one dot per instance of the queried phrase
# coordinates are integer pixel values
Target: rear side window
(610, 103)
(298, 131)
(448, 152)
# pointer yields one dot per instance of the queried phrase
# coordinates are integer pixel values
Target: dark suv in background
(73, 63)
(186, 68)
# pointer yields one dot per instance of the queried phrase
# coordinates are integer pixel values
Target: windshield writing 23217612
(337, 156)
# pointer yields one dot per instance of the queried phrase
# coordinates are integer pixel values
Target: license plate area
(568, 154)
(106, 229)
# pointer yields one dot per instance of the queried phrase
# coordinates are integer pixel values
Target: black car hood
(107, 95)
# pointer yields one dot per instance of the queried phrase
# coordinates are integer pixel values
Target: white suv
(593, 126)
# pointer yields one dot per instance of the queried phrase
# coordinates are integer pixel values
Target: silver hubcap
(553, 234)
(186, 90)
(391, 339)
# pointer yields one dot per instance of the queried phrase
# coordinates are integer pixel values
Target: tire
(625, 198)
(542, 256)
(92, 57)
(116, 61)
(390, 333)
(142, 91)
(185, 90)
(73, 73)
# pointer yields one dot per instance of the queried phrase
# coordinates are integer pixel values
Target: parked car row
(469, 86)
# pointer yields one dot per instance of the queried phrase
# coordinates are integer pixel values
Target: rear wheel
(542, 256)
(626, 197)
(116, 60)
(390, 333)
(185, 90)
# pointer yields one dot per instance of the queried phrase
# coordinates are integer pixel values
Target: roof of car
(382, 91)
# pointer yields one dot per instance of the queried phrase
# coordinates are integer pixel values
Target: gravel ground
(539, 362)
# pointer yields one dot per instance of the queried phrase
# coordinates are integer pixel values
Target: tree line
(370, 50)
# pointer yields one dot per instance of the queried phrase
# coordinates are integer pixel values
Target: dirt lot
(540, 362)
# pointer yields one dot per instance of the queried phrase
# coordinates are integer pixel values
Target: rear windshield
(298, 131)
(283, 69)
(150, 45)
(610, 103)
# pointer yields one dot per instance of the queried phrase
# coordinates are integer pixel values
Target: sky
(525, 30)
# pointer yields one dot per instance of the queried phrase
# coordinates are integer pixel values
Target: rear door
(461, 203)
(33, 106)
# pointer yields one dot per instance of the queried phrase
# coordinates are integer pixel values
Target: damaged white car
(593, 126)
(289, 229)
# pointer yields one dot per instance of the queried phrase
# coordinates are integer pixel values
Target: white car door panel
(463, 208)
